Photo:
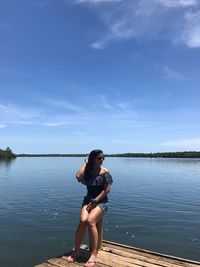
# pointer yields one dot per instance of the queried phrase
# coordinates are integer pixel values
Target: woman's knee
(84, 215)
(83, 219)
(91, 222)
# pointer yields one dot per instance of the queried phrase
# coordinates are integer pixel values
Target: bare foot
(73, 257)
(91, 263)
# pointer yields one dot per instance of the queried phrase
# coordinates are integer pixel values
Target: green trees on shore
(185, 154)
(7, 154)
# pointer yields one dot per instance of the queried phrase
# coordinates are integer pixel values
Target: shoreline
(185, 154)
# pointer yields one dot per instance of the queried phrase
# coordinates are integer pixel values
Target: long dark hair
(89, 166)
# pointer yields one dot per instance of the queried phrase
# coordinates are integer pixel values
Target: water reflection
(5, 164)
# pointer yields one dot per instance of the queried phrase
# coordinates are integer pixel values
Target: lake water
(154, 204)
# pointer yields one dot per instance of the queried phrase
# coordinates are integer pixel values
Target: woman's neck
(96, 169)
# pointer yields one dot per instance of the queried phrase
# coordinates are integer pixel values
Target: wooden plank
(134, 258)
(160, 261)
(79, 262)
(82, 260)
(60, 262)
(140, 260)
(113, 262)
(122, 261)
(45, 264)
(151, 254)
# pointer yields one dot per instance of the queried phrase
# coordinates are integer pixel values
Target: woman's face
(99, 159)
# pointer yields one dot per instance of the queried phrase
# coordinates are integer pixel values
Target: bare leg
(94, 217)
(81, 228)
(80, 231)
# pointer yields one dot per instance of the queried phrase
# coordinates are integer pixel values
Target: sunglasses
(100, 158)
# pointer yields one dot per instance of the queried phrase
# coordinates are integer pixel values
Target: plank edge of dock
(151, 252)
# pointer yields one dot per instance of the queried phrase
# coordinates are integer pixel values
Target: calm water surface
(154, 204)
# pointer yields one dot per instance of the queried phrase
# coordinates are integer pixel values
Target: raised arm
(80, 172)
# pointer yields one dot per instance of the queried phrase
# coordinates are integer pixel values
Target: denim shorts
(101, 205)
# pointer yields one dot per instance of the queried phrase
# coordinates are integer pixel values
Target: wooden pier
(118, 255)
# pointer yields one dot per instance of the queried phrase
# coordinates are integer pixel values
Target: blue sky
(120, 75)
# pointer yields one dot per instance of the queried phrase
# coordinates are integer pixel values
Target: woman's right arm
(80, 172)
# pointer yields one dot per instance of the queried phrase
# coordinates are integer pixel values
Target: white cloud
(97, 1)
(55, 121)
(53, 124)
(99, 44)
(191, 31)
(176, 3)
(54, 113)
(121, 141)
(175, 20)
(184, 144)
(172, 74)
(63, 104)
(41, 3)
(2, 125)
(105, 102)
(13, 114)
(100, 108)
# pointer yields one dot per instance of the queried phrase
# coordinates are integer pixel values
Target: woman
(98, 181)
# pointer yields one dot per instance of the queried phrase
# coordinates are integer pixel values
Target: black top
(96, 185)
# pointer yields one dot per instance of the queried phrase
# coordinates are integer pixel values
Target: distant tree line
(51, 155)
(185, 154)
(7, 154)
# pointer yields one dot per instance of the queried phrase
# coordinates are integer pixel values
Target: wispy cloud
(103, 109)
(14, 114)
(190, 143)
(120, 141)
(56, 113)
(177, 3)
(41, 3)
(105, 102)
(191, 31)
(59, 120)
(63, 104)
(175, 20)
(2, 126)
(172, 74)
(53, 124)
(97, 1)
(109, 106)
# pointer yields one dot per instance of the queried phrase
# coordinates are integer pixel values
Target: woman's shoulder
(106, 175)
(104, 170)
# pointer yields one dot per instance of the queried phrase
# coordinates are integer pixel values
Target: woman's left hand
(91, 205)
